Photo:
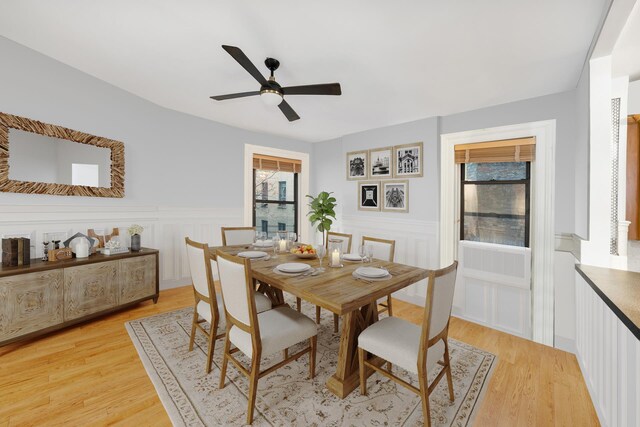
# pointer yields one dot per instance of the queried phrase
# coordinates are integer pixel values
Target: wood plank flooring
(90, 374)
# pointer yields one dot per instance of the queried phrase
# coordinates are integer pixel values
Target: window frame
(280, 203)
(527, 183)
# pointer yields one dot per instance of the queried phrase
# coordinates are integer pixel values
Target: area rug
(287, 397)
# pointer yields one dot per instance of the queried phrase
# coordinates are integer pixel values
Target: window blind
(508, 150)
(272, 163)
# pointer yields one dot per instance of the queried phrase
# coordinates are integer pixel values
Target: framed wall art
(408, 160)
(357, 165)
(395, 196)
(369, 196)
(381, 162)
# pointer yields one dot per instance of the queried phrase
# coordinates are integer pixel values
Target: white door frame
(542, 208)
(303, 184)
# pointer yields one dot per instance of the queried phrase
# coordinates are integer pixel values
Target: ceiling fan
(270, 91)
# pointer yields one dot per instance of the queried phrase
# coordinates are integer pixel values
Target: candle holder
(335, 253)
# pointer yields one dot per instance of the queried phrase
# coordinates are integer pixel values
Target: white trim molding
(542, 203)
(304, 228)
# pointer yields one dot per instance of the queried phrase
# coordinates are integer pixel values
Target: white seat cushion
(262, 304)
(280, 328)
(398, 342)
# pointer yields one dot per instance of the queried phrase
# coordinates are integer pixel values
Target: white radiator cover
(493, 287)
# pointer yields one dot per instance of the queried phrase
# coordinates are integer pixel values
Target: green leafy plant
(322, 209)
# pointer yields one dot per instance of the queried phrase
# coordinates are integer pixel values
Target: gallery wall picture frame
(395, 196)
(357, 165)
(381, 162)
(408, 160)
(369, 195)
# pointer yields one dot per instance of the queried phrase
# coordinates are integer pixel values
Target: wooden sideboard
(45, 296)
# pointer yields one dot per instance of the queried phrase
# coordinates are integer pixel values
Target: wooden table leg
(274, 294)
(346, 378)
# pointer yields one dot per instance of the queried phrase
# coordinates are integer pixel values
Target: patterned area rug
(287, 397)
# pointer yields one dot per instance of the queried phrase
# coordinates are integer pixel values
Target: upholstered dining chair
(385, 250)
(208, 305)
(345, 240)
(414, 348)
(255, 334)
(232, 236)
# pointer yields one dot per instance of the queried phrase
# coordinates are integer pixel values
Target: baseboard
(412, 299)
(565, 344)
(170, 284)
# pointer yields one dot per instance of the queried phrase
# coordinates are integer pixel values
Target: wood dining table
(336, 290)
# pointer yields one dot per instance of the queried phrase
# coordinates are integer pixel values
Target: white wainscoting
(609, 356)
(493, 287)
(165, 228)
(416, 244)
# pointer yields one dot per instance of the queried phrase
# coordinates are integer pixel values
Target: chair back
(344, 239)
(232, 236)
(237, 289)
(439, 300)
(200, 267)
(382, 249)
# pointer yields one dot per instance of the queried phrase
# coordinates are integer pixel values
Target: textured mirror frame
(7, 185)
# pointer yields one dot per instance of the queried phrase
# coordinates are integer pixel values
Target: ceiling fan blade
(321, 89)
(288, 111)
(235, 95)
(242, 59)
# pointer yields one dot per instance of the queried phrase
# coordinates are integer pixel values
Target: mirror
(40, 158)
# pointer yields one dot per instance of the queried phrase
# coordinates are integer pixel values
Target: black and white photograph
(357, 165)
(395, 196)
(408, 160)
(381, 162)
(369, 196)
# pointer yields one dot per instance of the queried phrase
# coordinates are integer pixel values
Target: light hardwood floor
(90, 374)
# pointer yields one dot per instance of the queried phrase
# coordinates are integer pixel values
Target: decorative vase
(135, 242)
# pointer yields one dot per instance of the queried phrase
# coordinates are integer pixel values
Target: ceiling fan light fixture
(271, 97)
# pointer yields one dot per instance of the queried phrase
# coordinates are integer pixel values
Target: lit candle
(335, 258)
(283, 245)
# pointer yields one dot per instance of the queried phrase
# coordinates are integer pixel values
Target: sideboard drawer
(137, 278)
(30, 302)
(90, 289)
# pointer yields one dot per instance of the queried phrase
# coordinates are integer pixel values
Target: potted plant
(321, 210)
(135, 231)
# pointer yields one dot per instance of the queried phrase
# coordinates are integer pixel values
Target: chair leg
(313, 343)
(389, 307)
(253, 386)
(447, 362)
(212, 345)
(363, 379)
(299, 304)
(318, 314)
(389, 365)
(285, 353)
(336, 320)
(424, 395)
(193, 327)
(225, 355)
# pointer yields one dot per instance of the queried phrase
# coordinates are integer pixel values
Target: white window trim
(303, 184)
(542, 210)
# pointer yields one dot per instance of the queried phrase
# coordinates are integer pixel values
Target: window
(85, 174)
(275, 207)
(495, 202)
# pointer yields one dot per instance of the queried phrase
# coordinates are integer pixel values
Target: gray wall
(171, 158)
(563, 108)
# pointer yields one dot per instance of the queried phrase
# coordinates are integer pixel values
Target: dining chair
(258, 335)
(345, 239)
(233, 236)
(414, 348)
(208, 306)
(385, 250)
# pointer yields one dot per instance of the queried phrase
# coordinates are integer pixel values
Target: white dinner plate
(293, 267)
(352, 257)
(263, 243)
(372, 272)
(252, 254)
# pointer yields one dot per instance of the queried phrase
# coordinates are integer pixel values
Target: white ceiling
(626, 53)
(396, 61)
